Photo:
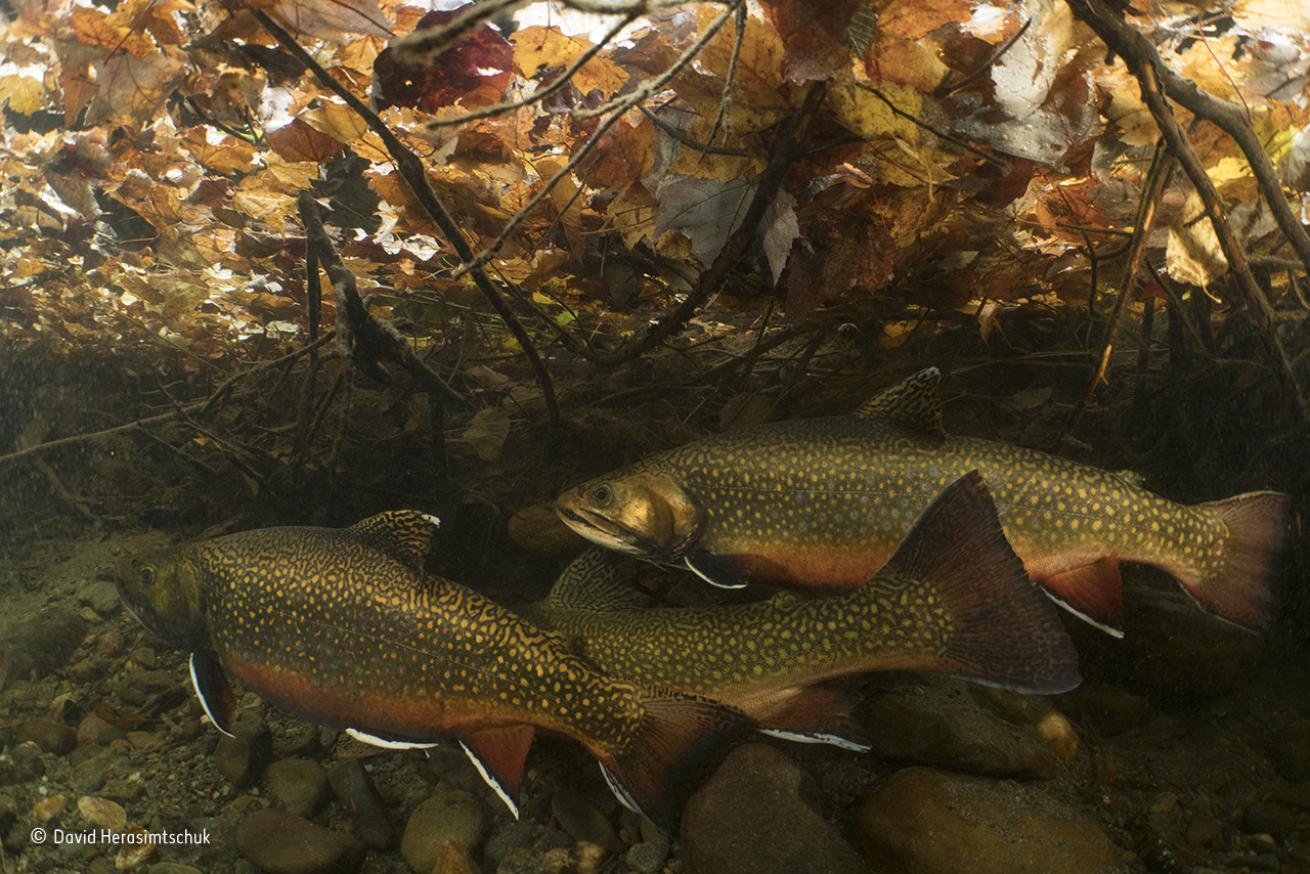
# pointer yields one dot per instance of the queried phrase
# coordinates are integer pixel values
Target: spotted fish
(823, 503)
(954, 599)
(344, 628)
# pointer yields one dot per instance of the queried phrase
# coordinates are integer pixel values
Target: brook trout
(823, 503)
(344, 628)
(953, 599)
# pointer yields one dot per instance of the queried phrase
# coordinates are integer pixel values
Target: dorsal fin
(406, 535)
(914, 403)
(598, 581)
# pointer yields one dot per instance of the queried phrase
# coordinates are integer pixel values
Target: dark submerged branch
(411, 169)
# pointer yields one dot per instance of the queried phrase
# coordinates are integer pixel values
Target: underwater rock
(947, 723)
(1106, 708)
(353, 788)
(101, 595)
(580, 818)
(452, 860)
(298, 786)
(171, 868)
(647, 857)
(43, 643)
(509, 837)
(102, 812)
(754, 815)
(49, 735)
(21, 765)
(296, 739)
(451, 815)
(240, 759)
(280, 843)
(923, 821)
(1271, 818)
(94, 729)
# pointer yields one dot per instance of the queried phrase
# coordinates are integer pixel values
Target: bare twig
(619, 105)
(199, 407)
(704, 148)
(1002, 165)
(946, 89)
(1146, 66)
(365, 338)
(411, 169)
(784, 152)
(725, 100)
(1157, 179)
(544, 91)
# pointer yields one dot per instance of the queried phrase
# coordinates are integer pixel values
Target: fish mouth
(606, 532)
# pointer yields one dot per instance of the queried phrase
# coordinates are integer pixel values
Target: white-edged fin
(1065, 605)
(817, 737)
(620, 792)
(208, 682)
(387, 743)
(490, 780)
(211, 710)
(713, 582)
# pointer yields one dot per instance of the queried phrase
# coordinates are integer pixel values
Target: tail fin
(678, 736)
(1239, 583)
(1004, 631)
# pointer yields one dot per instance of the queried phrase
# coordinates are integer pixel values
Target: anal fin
(500, 755)
(217, 697)
(1093, 592)
(721, 571)
(816, 715)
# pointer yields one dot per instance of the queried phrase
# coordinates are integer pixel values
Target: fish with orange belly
(344, 628)
(824, 502)
(954, 599)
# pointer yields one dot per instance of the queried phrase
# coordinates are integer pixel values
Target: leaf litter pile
(285, 260)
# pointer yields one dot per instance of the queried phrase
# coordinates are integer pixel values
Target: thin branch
(1157, 180)
(411, 169)
(364, 338)
(680, 136)
(946, 90)
(725, 100)
(198, 406)
(1002, 165)
(543, 92)
(784, 153)
(1146, 66)
(422, 46)
(620, 105)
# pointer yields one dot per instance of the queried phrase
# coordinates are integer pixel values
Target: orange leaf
(300, 142)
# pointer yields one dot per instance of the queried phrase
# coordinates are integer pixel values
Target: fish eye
(148, 575)
(602, 494)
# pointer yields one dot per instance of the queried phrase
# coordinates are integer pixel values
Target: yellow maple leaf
(863, 112)
(21, 93)
(539, 47)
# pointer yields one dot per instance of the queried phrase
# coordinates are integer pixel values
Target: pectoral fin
(388, 743)
(217, 697)
(500, 755)
(723, 571)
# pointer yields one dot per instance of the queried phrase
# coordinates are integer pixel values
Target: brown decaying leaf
(474, 71)
(816, 45)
